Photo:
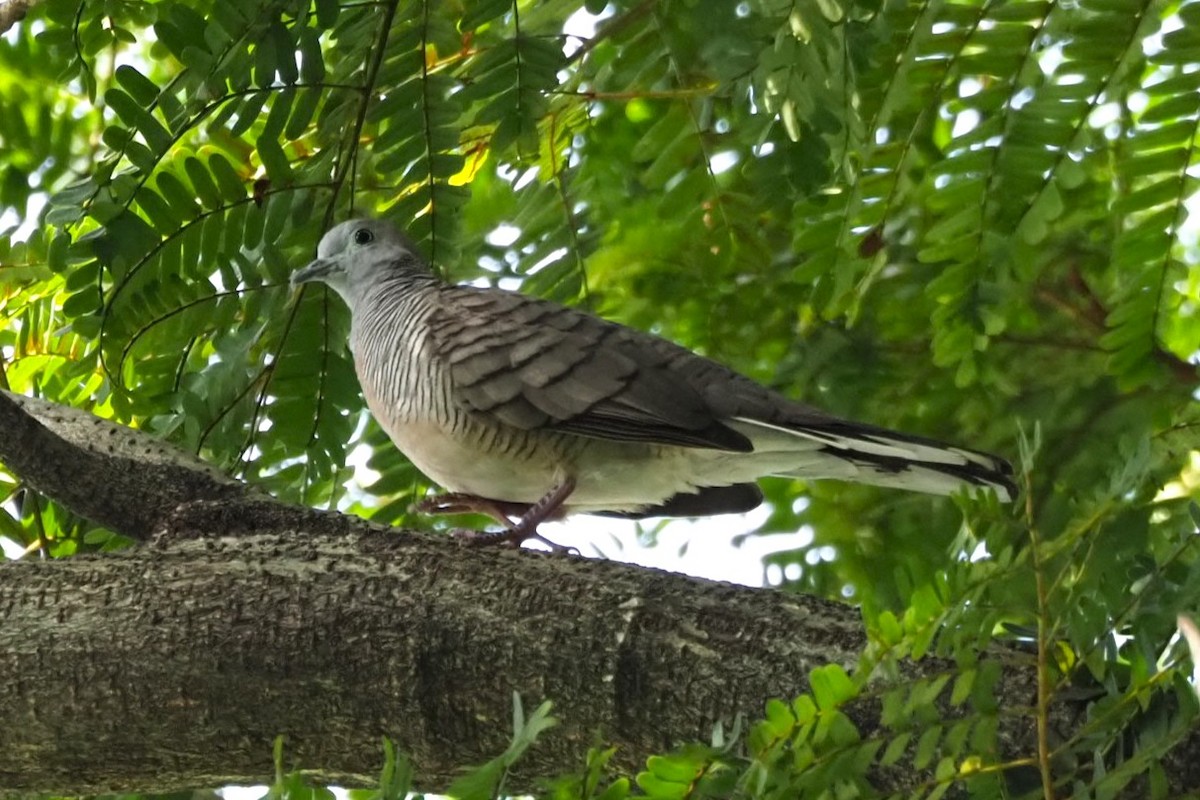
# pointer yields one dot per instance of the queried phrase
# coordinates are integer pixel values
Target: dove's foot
(462, 503)
(526, 526)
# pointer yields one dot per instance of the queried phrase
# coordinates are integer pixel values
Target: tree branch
(115, 476)
(177, 664)
(13, 11)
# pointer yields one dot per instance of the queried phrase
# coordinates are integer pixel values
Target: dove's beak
(316, 270)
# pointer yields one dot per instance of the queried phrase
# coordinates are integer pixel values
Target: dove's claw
(523, 529)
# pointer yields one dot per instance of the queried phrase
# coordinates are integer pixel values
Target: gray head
(358, 254)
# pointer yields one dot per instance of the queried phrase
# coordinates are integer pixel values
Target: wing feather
(531, 364)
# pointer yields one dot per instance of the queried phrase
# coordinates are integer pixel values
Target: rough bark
(116, 476)
(176, 664)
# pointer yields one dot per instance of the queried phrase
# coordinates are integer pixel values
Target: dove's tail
(876, 456)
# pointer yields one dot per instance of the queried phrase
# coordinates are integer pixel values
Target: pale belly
(461, 465)
(608, 475)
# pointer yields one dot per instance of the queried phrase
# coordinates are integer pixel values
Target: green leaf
(86, 301)
(56, 256)
(231, 183)
(927, 747)
(673, 768)
(617, 790)
(303, 111)
(141, 89)
(274, 160)
(483, 11)
(327, 13)
(158, 138)
(895, 749)
(831, 686)
(159, 212)
(395, 780)
(178, 196)
(202, 182)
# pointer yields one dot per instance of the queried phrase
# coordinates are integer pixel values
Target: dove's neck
(388, 290)
(389, 336)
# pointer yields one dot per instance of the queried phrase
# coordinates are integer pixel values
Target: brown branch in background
(706, 90)
(1047, 341)
(1092, 315)
(1090, 310)
(1182, 371)
(1094, 310)
(13, 11)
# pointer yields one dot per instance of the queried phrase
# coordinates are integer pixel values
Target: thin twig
(1043, 668)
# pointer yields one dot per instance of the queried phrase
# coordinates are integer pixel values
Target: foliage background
(963, 219)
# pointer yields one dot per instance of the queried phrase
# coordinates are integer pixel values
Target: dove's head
(359, 254)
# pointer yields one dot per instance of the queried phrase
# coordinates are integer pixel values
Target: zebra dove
(529, 410)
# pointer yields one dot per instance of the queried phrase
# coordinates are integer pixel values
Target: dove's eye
(363, 236)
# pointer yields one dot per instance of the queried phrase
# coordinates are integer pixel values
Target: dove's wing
(532, 364)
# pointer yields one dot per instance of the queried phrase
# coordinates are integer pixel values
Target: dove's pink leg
(529, 517)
